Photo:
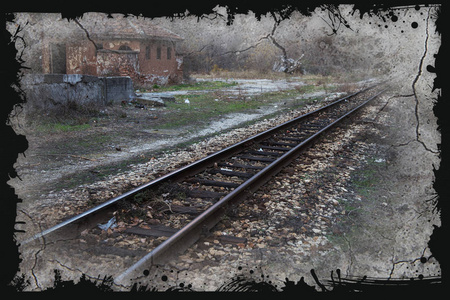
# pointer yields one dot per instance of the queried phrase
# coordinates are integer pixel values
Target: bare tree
(284, 63)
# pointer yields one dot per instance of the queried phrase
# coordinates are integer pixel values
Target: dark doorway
(58, 58)
(125, 48)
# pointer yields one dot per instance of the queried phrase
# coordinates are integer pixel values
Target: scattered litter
(380, 160)
(139, 105)
(225, 169)
(187, 101)
(260, 150)
(126, 103)
(110, 224)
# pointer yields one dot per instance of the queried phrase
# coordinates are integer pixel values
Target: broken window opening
(125, 47)
(58, 58)
(158, 53)
(169, 53)
(147, 52)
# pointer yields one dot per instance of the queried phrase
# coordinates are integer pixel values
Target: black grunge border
(13, 145)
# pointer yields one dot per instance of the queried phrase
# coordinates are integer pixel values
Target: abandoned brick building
(115, 47)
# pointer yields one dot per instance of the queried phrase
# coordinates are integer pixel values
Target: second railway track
(189, 202)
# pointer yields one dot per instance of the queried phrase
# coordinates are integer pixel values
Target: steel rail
(189, 169)
(191, 232)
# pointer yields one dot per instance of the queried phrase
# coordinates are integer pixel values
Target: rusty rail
(190, 233)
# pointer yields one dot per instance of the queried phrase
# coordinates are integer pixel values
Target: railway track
(198, 195)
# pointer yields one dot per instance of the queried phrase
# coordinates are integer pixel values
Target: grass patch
(201, 85)
(60, 127)
(98, 173)
(202, 107)
(92, 142)
(368, 186)
(367, 180)
(205, 106)
(247, 74)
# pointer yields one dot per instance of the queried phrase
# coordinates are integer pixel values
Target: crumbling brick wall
(117, 63)
(146, 62)
(81, 58)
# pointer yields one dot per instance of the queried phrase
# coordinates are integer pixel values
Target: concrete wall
(47, 91)
(118, 89)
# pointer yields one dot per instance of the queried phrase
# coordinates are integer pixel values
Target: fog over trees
(332, 40)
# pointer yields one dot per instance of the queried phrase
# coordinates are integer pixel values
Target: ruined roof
(125, 28)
